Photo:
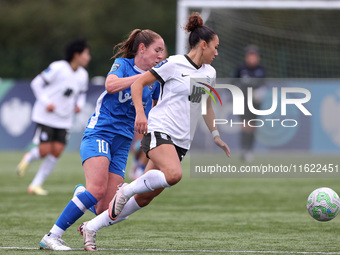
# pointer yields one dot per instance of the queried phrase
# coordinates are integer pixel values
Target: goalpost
(297, 39)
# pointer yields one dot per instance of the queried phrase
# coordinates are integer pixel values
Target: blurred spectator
(250, 74)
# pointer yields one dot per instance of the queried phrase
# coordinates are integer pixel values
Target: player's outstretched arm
(141, 123)
(114, 84)
(209, 121)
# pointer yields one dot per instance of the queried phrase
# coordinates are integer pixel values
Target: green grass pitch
(196, 216)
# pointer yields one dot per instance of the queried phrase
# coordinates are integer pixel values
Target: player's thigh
(95, 155)
(166, 158)
(151, 165)
(162, 152)
(96, 175)
(57, 149)
(119, 154)
(45, 148)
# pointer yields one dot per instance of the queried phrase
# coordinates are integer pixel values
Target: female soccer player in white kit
(167, 132)
(60, 91)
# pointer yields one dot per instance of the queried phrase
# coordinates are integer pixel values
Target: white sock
(149, 181)
(56, 231)
(104, 220)
(33, 155)
(45, 170)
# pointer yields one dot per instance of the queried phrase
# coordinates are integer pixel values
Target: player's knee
(174, 177)
(43, 152)
(56, 154)
(43, 155)
(98, 192)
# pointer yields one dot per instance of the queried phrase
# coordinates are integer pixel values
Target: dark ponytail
(129, 47)
(198, 31)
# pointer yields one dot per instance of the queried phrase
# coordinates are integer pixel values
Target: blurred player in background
(107, 139)
(60, 91)
(167, 133)
(251, 74)
(140, 159)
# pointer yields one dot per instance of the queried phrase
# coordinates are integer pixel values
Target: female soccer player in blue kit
(107, 138)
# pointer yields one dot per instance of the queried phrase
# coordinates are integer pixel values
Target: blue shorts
(116, 149)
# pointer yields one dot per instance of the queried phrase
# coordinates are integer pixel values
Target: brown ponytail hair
(198, 31)
(129, 47)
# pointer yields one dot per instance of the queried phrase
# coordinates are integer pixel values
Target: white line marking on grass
(189, 250)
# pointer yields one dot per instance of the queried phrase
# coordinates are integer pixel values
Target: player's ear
(76, 55)
(204, 44)
(141, 48)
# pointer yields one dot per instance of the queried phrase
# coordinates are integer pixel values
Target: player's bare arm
(141, 123)
(209, 121)
(114, 84)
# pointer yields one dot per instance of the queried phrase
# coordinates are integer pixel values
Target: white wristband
(215, 133)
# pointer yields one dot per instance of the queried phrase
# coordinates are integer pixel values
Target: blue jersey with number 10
(115, 113)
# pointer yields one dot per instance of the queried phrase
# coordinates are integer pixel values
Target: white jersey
(179, 103)
(60, 85)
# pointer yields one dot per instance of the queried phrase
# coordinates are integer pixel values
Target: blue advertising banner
(16, 127)
(326, 117)
(319, 133)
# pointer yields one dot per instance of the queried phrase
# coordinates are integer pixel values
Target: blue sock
(75, 209)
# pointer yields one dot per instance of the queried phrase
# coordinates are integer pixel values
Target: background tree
(34, 33)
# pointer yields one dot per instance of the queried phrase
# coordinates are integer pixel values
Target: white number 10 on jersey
(103, 146)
